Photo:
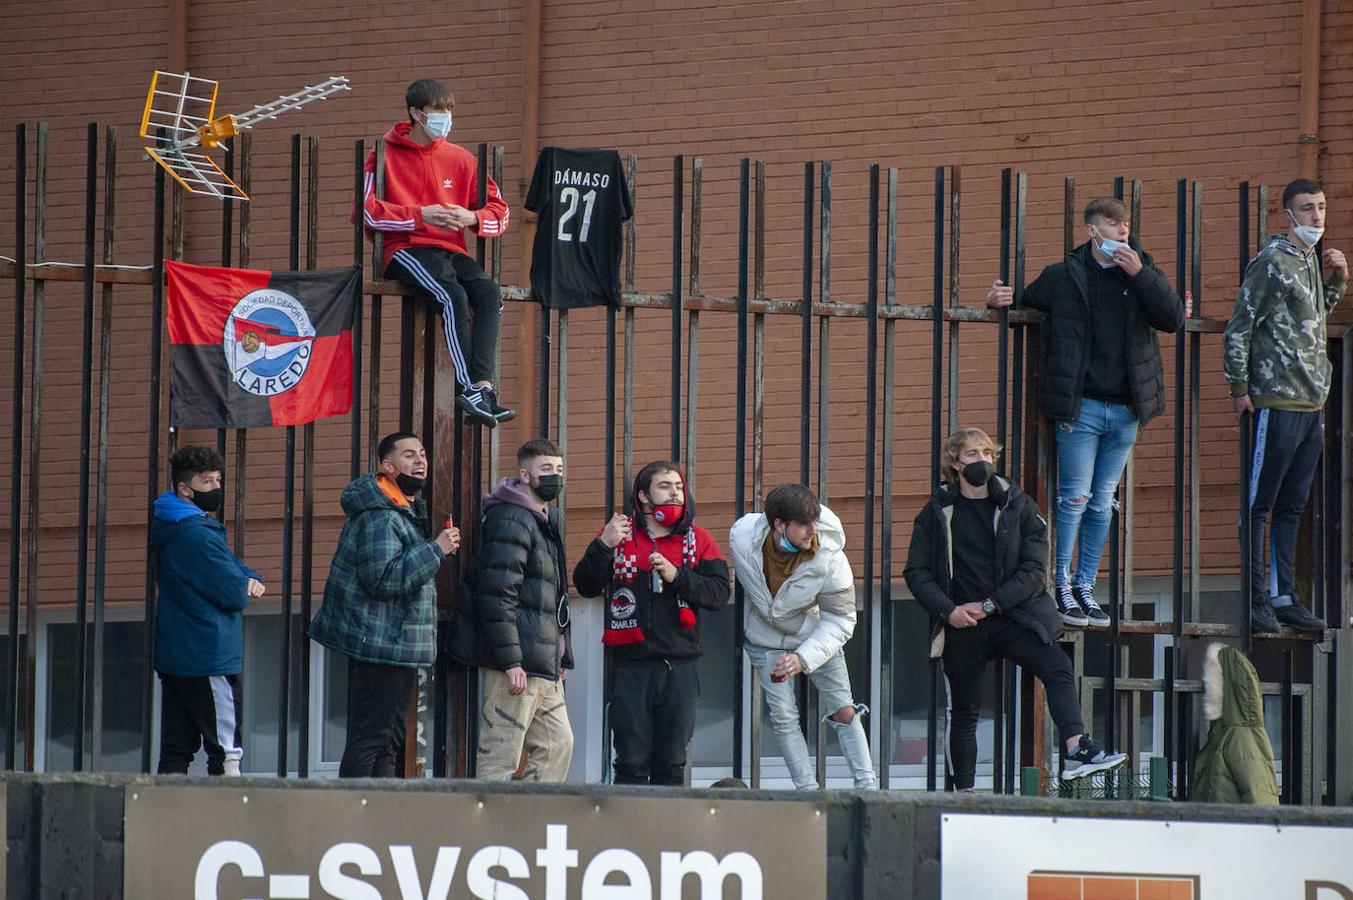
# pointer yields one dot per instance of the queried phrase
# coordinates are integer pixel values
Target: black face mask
(409, 484)
(209, 501)
(547, 487)
(978, 474)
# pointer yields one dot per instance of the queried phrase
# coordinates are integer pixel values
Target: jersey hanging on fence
(582, 199)
(249, 348)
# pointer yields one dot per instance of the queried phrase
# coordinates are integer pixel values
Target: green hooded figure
(1236, 763)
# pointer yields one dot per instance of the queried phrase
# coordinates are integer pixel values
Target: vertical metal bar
(1068, 214)
(693, 324)
(886, 613)
(240, 514)
(758, 333)
(355, 448)
(495, 437)
(16, 435)
(1177, 560)
(289, 500)
(937, 332)
(227, 238)
(806, 331)
(34, 435)
(1195, 410)
(871, 427)
(678, 221)
(1288, 788)
(933, 748)
(153, 475)
(1003, 324)
(632, 170)
(86, 390)
(1246, 454)
(740, 444)
(697, 207)
(101, 496)
(307, 481)
(954, 299)
(1017, 356)
(545, 340)
(824, 343)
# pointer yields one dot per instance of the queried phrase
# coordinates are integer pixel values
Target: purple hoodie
(511, 490)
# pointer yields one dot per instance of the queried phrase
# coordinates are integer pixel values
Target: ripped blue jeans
(1092, 450)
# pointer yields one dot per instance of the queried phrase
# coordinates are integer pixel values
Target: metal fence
(1300, 670)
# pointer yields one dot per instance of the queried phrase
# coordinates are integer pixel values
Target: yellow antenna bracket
(217, 130)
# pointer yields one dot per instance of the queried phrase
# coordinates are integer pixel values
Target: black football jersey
(582, 199)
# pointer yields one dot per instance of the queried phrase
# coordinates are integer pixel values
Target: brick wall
(1203, 91)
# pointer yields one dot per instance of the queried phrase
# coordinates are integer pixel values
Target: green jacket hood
(365, 494)
(1231, 688)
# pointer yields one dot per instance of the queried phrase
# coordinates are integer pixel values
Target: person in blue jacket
(199, 623)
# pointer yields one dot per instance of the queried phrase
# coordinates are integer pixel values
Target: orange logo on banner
(1102, 886)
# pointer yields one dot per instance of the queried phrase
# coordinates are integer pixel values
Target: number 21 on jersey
(570, 196)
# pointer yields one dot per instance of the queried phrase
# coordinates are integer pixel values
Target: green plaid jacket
(380, 602)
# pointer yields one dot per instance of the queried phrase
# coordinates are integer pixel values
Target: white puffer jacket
(813, 613)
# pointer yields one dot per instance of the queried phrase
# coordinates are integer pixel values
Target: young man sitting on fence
(1102, 381)
(800, 589)
(979, 551)
(431, 191)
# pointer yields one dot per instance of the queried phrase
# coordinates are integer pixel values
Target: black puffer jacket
(518, 606)
(1021, 556)
(1063, 292)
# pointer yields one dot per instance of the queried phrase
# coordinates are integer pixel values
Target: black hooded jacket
(516, 612)
(1063, 292)
(1021, 558)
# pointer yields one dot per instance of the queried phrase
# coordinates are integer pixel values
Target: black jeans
(1287, 448)
(199, 712)
(458, 284)
(966, 651)
(653, 718)
(378, 700)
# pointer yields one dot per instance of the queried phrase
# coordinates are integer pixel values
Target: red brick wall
(1207, 92)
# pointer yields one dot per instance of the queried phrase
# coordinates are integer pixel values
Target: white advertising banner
(990, 857)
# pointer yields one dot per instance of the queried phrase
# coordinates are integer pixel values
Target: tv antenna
(181, 121)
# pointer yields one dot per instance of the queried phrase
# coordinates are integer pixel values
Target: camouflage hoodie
(1275, 340)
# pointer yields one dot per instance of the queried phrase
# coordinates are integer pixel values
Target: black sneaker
(1068, 608)
(1262, 618)
(1294, 615)
(475, 405)
(501, 413)
(1089, 758)
(1094, 613)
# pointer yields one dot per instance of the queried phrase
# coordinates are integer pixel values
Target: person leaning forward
(380, 603)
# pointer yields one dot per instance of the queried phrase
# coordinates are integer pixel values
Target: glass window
(261, 692)
(123, 685)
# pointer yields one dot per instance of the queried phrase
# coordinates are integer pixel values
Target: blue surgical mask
(1108, 246)
(437, 124)
(784, 544)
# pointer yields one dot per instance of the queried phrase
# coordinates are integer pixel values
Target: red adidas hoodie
(415, 177)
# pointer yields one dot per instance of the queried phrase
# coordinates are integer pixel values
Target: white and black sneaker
(1085, 595)
(475, 404)
(1068, 608)
(501, 413)
(1089, 758)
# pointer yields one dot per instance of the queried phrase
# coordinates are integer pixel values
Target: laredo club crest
(267, 342)
(250, 348)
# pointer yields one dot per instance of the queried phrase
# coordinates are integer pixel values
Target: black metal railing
(461, 465)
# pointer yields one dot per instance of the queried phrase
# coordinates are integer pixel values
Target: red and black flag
(250, 348)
